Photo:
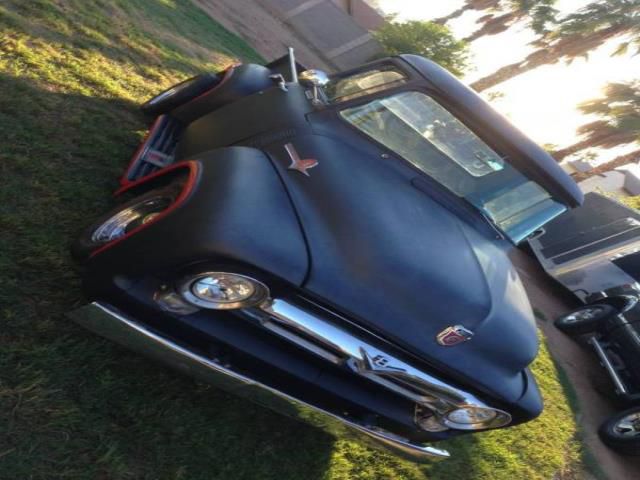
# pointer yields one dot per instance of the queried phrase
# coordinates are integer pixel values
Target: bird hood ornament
(299, 164)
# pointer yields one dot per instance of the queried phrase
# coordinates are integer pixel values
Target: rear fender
(236, 82)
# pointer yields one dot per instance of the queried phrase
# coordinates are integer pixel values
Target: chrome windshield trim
(111, 324)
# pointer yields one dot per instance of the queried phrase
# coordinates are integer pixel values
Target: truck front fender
(237, 211)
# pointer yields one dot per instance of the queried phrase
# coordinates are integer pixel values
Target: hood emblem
(297, 163)
(454, 335)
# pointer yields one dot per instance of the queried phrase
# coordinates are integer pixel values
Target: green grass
(632, 202)
(75, 406)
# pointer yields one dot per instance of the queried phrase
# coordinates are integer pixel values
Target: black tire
(585, 319)
(150, 203)
(621, 432)
(179, 94)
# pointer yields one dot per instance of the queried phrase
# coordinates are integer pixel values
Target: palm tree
(576, 35)
(632, 157)
(539, 12)
(619, 123)
(504, 13)
(469, 5)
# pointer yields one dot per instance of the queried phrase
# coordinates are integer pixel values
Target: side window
(364, 83)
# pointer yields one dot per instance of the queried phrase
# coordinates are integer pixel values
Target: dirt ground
(262, 30)
(581, 367)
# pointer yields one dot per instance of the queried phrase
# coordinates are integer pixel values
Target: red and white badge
(454, 335)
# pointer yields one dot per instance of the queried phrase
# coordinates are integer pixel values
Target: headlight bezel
(258, 293)
(499, 419)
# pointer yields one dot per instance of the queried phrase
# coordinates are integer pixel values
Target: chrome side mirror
(314, 79)
(311, 78)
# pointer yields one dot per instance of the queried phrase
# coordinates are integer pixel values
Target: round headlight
(223, 291)
(476, 418)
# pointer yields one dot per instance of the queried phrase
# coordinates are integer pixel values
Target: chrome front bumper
(107, 322)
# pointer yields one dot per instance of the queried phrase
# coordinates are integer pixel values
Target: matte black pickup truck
(332, 247)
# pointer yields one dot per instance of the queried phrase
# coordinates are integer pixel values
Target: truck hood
(404, 266)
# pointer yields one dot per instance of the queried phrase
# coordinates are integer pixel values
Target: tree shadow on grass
(75, 405)
(460, 466)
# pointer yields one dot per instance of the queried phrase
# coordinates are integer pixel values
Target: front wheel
(622, 432)
(124, 219)
(179, 94)
(585, 319)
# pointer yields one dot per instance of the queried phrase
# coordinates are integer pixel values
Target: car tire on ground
(584, 319)
(179, 94)
(622, 432)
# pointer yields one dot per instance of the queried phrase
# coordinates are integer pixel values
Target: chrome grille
(338, 346)
(157, 150)
(305, 341)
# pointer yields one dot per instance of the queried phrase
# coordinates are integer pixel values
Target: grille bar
(338, 346)
(157, 150)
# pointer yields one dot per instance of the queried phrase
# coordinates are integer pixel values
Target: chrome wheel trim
(167, 93)
(173, 90)
(115, 226)
(582, 315)
(628, 426)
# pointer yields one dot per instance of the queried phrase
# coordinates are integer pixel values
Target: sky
(543, 102)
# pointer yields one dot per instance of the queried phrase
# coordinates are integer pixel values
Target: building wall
(329, 29)
(362, 13)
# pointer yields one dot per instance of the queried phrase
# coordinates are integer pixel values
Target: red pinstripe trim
(124, 180)
(190, 164)
(156, 123)
(194, 169)
(227, 75)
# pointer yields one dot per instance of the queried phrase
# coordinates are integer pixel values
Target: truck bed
(598, 224)
(600, 236)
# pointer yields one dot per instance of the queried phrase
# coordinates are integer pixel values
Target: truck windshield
(420, 130)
